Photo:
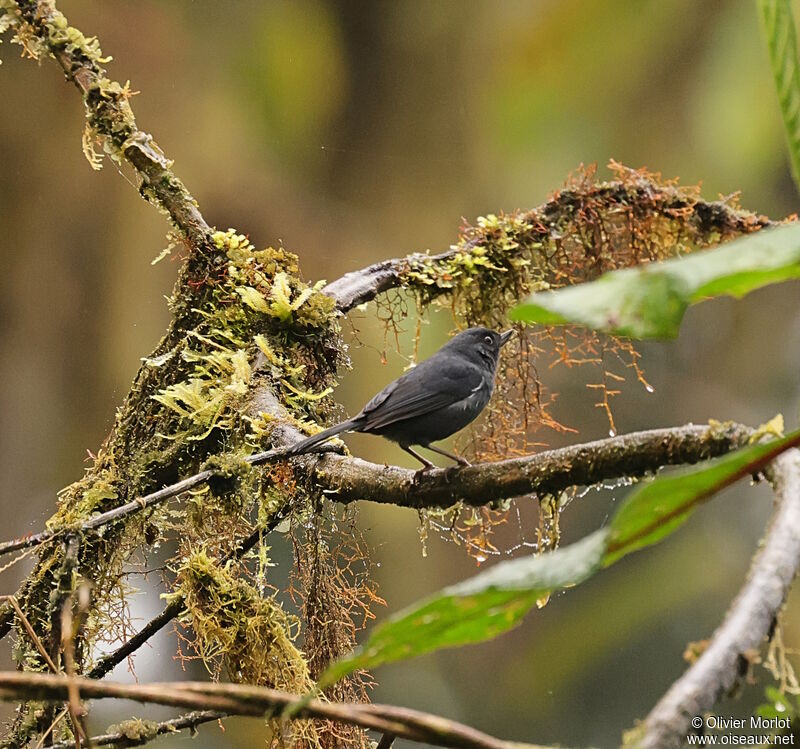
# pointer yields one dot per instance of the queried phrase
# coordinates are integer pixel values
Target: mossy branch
(252, 350)
(187, 397)
(550, 472)
(174, 608)
(138, 732)
(605, 212)
(109, 115)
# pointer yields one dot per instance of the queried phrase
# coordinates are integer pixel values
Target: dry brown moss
(585, 229)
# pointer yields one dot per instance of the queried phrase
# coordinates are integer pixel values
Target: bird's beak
(505, 336)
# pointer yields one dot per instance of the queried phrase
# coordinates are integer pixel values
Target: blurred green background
(354, 131)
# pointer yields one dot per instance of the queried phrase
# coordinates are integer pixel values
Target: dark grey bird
(435, 399)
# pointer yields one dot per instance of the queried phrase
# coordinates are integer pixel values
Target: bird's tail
(304, 446)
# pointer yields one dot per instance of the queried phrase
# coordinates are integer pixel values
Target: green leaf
(779, 32)
(496, 600)
(656, 509)
(650, 301)
(477, 609)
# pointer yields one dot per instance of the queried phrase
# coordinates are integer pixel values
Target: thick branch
(241, 699)
(636, 454)
(350, 479)
(347, 479)
(747, 624)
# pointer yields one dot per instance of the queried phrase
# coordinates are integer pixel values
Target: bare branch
(360, 286)
(635, 454)
(347, 479)
(242, 699)
(747, 624)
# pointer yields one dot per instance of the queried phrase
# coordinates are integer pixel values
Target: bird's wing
(425, 388)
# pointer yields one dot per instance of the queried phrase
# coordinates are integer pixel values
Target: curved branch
(701, 218)
(242, 699)
(747, 624)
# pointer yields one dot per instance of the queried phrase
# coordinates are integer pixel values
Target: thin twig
(242, 699)
(149, 732)
(69, 629)
(171, 610)
(31, 632)
(98, 521)
(74, 714)
(746, 625)
(386, 741)
(52, 727)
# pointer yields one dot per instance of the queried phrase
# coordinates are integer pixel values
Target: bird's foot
(418, 474)
(463, 462)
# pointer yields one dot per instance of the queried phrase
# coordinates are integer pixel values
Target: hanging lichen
(236, 629)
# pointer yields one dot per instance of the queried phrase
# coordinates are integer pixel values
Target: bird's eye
(488, 339)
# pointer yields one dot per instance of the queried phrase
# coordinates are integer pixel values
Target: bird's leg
(425, 462)
(457, 458)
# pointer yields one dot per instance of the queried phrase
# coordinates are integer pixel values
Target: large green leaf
(477, 609)
(496, 600)
(781, 38)
(650, 301)
(659, 507)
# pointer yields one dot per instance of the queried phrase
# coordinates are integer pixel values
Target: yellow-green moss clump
(136, 729)
(256, 306)
(490, 267)
(237, 629)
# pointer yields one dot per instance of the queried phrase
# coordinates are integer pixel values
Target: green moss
(229, 485)
(238, 629)
(255, 306)
(60, 35)
(91, 498)
(584, 230)
(493, 263)
(9, 17)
